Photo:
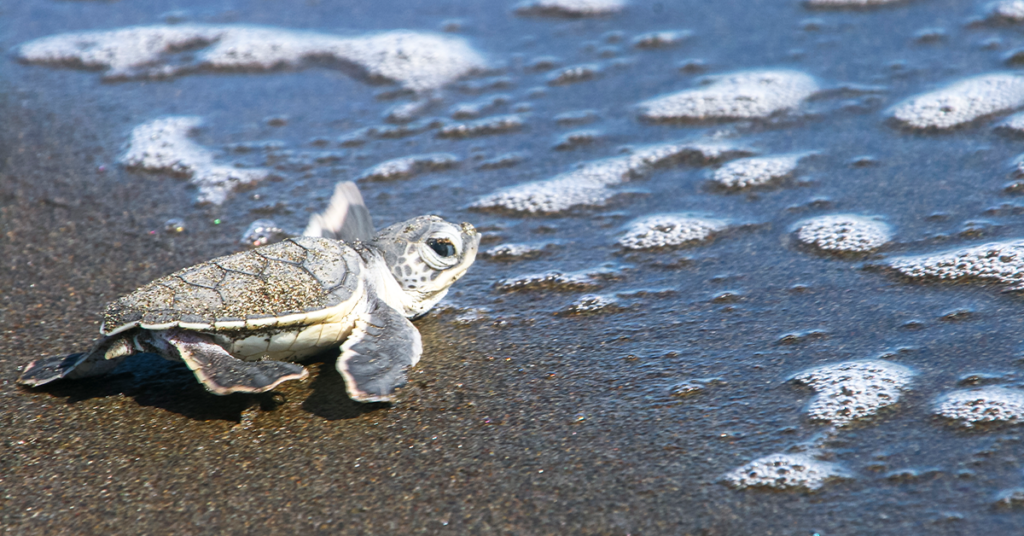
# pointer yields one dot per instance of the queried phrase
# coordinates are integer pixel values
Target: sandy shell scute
(293, 277)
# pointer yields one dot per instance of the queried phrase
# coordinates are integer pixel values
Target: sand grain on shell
(163, 145)
(962, 102)
(417, 60)
(743, 95)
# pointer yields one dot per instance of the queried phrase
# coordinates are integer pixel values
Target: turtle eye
(441, 246)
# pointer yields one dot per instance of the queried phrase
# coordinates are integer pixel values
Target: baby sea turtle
(241, 320)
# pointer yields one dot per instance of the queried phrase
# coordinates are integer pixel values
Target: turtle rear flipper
(373, 359)
(103, 358)
(223, 374)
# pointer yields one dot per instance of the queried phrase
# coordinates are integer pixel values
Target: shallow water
(568, 384)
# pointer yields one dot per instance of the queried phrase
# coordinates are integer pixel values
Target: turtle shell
(288, 283)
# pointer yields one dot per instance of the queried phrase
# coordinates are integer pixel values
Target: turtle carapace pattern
(240, 322)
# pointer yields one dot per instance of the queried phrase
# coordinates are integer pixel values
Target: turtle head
(426, 255)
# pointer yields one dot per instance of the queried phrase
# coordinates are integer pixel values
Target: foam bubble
(843, 233)
(988, 404)
(262, 232)
(757, 171)
(497, 124)
(557, 281)
(786, 472)
(854, 389)
(1013, 124)
(543, 63)
(1008, 11)
(514, 252)
(502, 161)
(470, 110)
(962, 102)
(574, 74)
(405, 130)
(174, 226)
(417, 60)
(576, 117)
(570, 8)
(1002, 262)
(668, 230)
(592, 304)
(1012, 498)
(408, 111)
(163, 145)
(693, 387)
(588, 185)
(408, 166)
(576, 139)
(661, 39)
(743, 95)
(848, 3)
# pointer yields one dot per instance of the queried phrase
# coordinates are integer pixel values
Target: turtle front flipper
(373, 359)
(103, 358)
(221, 373)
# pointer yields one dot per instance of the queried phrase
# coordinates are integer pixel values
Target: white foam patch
(163, 145)
(1007, 10)
(843, 233)
(757, 171)
(570, 8)
(849, 3)
(588, 185)
(592, 304)
(669, 230)
(1001, 262)
(1012, 498)
(417, 60)
(743, 95)
(661, 39)
(550, 280)
(854, 389)
(988, 404)
(786, 472)
(498, 124)
(408, 166)
(962, 102)
(514, 251)
(1014, 123)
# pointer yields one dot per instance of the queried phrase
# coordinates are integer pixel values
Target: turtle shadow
(329, 399)
(153, 381)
